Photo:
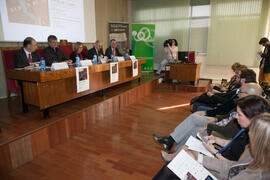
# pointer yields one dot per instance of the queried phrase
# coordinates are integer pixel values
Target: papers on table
(134, 67)
(196, 145)
(82, 79)
(114, 72)
(187, 168)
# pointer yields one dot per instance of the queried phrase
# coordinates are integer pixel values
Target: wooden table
(185, 72)
(47, 89)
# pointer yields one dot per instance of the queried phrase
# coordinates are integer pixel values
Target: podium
(185, 72)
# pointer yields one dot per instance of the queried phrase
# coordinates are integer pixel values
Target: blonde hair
(259, 132)
(77, 45)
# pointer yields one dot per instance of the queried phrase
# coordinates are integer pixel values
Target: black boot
(166, 142)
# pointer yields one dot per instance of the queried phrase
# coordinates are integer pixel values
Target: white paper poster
(82, 79)
(135, 67)
(114, 72)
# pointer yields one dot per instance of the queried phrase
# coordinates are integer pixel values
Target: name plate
(59, 66)
(86, 63)
(133, 58)
(120, 58)
(103, 60)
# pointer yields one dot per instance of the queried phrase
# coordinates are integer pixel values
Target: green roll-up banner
(143, 44)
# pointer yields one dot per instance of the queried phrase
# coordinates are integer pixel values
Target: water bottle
(126, 57)
(78, 63)
(95, 59)
(42, 65)
(112, 57)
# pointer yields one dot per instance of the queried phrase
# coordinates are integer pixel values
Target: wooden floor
(116, 147)
(15, 123)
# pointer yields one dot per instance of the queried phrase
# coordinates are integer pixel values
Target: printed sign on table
(135, 68)
(82, 79)
(114, 72)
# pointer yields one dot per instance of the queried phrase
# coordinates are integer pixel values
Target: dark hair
(249, 75)
(176, 43)
(263, 40)
(113, 40)
(51, 37)
(253, 105)
(27, 41)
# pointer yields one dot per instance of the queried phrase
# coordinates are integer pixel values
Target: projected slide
(28, 12)
(40, 18)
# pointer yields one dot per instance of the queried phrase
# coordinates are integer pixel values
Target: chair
(8, 62)
(7, 57)
(67, 49)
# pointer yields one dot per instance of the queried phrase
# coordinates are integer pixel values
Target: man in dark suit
(264, 74)
(113, 50)
(52, 53)
(96, 50)
(28, 55)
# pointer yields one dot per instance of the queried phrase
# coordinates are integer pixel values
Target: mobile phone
(201, 137)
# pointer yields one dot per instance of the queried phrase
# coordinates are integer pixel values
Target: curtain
(171, 19)
(236, 27)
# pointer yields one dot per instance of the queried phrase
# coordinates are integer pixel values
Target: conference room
(134, 89)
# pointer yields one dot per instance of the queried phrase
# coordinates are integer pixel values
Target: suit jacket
(74, 54)
(108, 52)
(21, 59)
(93, 52)
(266, 57)
(51, 56)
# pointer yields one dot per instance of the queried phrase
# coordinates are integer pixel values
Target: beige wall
(106, 11)
(109, 11)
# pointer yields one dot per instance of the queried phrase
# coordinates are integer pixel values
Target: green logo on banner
(143, 44)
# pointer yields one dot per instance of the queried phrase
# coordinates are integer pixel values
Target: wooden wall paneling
(40, 142)
(20, 151)
(5, 161)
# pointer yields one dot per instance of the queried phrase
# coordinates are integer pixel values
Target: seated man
(96, 50)
(112, 50)
(193, 123)
(27, 55)
(52, 53)
(211, 102)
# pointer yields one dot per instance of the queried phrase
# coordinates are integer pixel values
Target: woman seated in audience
(247, 108)
(255, 164)
(233, 83)
(171, 50)
(78, 52)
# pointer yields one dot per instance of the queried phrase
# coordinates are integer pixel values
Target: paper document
(196, 145)
(259, 56)
(114, 72)
(82, 79)
(135, 68)
(187, 168)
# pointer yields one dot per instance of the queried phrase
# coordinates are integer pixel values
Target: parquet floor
(117, 147)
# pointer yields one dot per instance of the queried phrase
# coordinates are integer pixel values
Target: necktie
(113, 51)
(29, 58)
(230, 143)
